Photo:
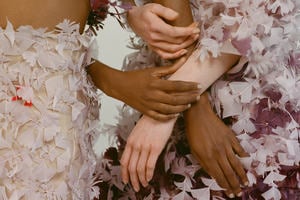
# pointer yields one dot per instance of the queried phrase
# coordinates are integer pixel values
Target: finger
(151, 162)
(172, 103)
(174, 48)
(132, 168)
(124, 163)
(230, 175)
(238, 149)
(170, 15)
(141, 166)
(159, 116)
(216, 173)
(169, 55)
(239, 170)
(168, 70)
(171, 86)
(236, 163)
(164, 12)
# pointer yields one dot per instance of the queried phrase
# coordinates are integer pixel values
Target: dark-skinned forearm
(104, 78)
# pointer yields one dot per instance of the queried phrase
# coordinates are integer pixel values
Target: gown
(259, 99)
(48, 114)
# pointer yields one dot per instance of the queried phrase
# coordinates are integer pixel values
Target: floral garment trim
(100, 9)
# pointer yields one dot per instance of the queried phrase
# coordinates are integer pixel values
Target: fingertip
(149, 176)
(171, 14)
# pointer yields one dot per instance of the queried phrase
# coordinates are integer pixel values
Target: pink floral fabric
(259, 99)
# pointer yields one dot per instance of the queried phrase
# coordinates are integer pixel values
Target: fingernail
(183, 52)
(231, 196)
(136, 188)
(246, 183)
(195, 37)
(198, 98)
(239, 194)
(149, 177)
(145, 185)
(196, 30)
(174, 116)
(189, 105)
(199, 86)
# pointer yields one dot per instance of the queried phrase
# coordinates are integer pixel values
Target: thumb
(164, 12)
(168, 70)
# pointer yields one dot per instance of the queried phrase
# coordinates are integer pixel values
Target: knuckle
(175, 100)
(140, 169)
(130, 142)
(137, 147)
(151, 35)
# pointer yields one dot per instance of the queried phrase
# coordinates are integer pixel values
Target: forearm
(104, 78)
(204, 72)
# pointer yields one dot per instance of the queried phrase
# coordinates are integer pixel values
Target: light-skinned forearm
(204, 72)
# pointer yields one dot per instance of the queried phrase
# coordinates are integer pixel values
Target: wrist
(201, 108)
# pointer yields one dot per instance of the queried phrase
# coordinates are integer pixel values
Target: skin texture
(160, 42)
(138, 160)
(169, 95)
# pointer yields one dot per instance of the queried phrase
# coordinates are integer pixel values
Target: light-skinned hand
(168, 41)
(144, 145)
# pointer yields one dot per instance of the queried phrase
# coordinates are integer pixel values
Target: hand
(168, 41)
(144, 145)
(147, 91)
(215, 146)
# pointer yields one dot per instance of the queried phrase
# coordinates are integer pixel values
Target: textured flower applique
(281, 6)
(10, 33)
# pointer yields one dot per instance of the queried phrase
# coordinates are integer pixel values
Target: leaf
(10, 33)
(251, 179)
(61, 191)
(283, 159)
(63, 160)
(201, 194)
(77, 109)
(185, 185)
(243, 90)
(230, 106)
(211, 183)
(49, 133)
(273, 177)
(182, 195)
(53, 84)
(169, 157)
(272, 193)
(3, 195)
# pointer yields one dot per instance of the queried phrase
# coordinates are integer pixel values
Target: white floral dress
(48, 114)
(259, 99)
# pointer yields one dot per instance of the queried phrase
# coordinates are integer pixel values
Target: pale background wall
(112, 41)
